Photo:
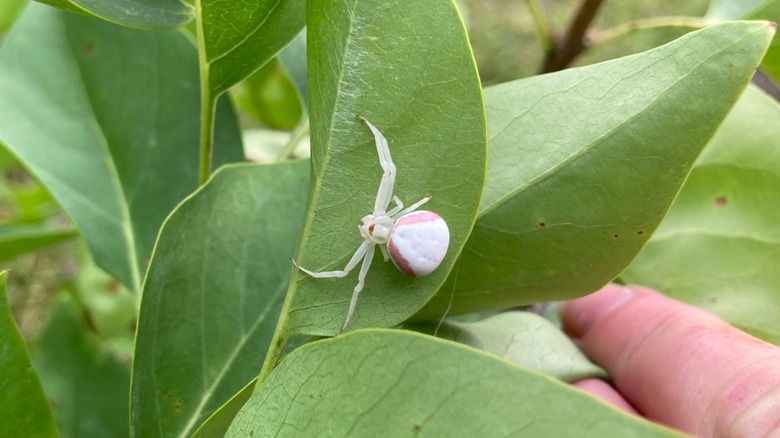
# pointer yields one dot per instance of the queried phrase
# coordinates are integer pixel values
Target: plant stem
(272, 357)
(300, 131)
(541, 26)
(563, 53)
(207, 109)
(208, 103)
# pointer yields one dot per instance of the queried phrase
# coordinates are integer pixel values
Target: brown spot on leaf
(542, 224)
(616, 235)
(721, 201)
(177, 406)
(640, 232)
(89, 48)
(113, 287)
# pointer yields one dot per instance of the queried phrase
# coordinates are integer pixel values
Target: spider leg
(361, 251)
(361, 281)
(411, 208)
(385, 254)
(385, 192)
(398, 206)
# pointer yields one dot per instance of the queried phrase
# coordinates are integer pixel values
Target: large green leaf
(107, 119)
(213, 294)
(380, 382)
(584, 164)
(149, 14)
(239, 37)
(719, 245)
(25, 410)
(390, 63)
(16, 239)
(523, 338)
(87, 386)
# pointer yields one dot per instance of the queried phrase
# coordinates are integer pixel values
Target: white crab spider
(416, 241)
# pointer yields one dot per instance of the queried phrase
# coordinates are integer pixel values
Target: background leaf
(575, 187)
(370, 382)
(108, 129)
(523, 338)
(719, 245)
(25, 411)
(9, 10)
(724, 10)
(149, 14)
(213, 294)
(293, 58)
(239, 37)
(20, 239)
(87, 386)
(388, 63)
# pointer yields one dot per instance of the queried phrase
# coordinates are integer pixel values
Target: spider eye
(371, 229)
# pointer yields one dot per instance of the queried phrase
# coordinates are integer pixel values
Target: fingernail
(583, 313)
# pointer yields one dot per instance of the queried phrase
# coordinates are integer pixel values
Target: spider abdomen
(418, 242)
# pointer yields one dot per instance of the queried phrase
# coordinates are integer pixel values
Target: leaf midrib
(125, 218)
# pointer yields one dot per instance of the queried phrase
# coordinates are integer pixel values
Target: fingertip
(604, 392)
(678, 364)
(581, 314)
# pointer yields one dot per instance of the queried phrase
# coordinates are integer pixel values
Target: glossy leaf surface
(374, 381)
(583, 165)
(239, 37)
(26, 410)
(107, 128)
(423, 94)
(213, 294)
(525, 339)
(148, 14)
(719, 245)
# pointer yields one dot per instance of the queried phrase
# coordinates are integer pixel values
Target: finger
(605, 392)
(678, 364)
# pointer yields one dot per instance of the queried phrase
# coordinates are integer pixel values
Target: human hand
(676, 364)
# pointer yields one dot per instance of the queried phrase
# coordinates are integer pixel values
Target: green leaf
(21, 239)
(293, 58)
(9, 11)
(145, 14)
(218, 423)
(237, 38)
(213, 294)
(583, 165)
(718, 247)
(389, 63)
(112, 308)
(724, 10)
(525, 339)
(86, 384)
(374, 381)
(25, 409)
(107, 119)
(269, 96)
